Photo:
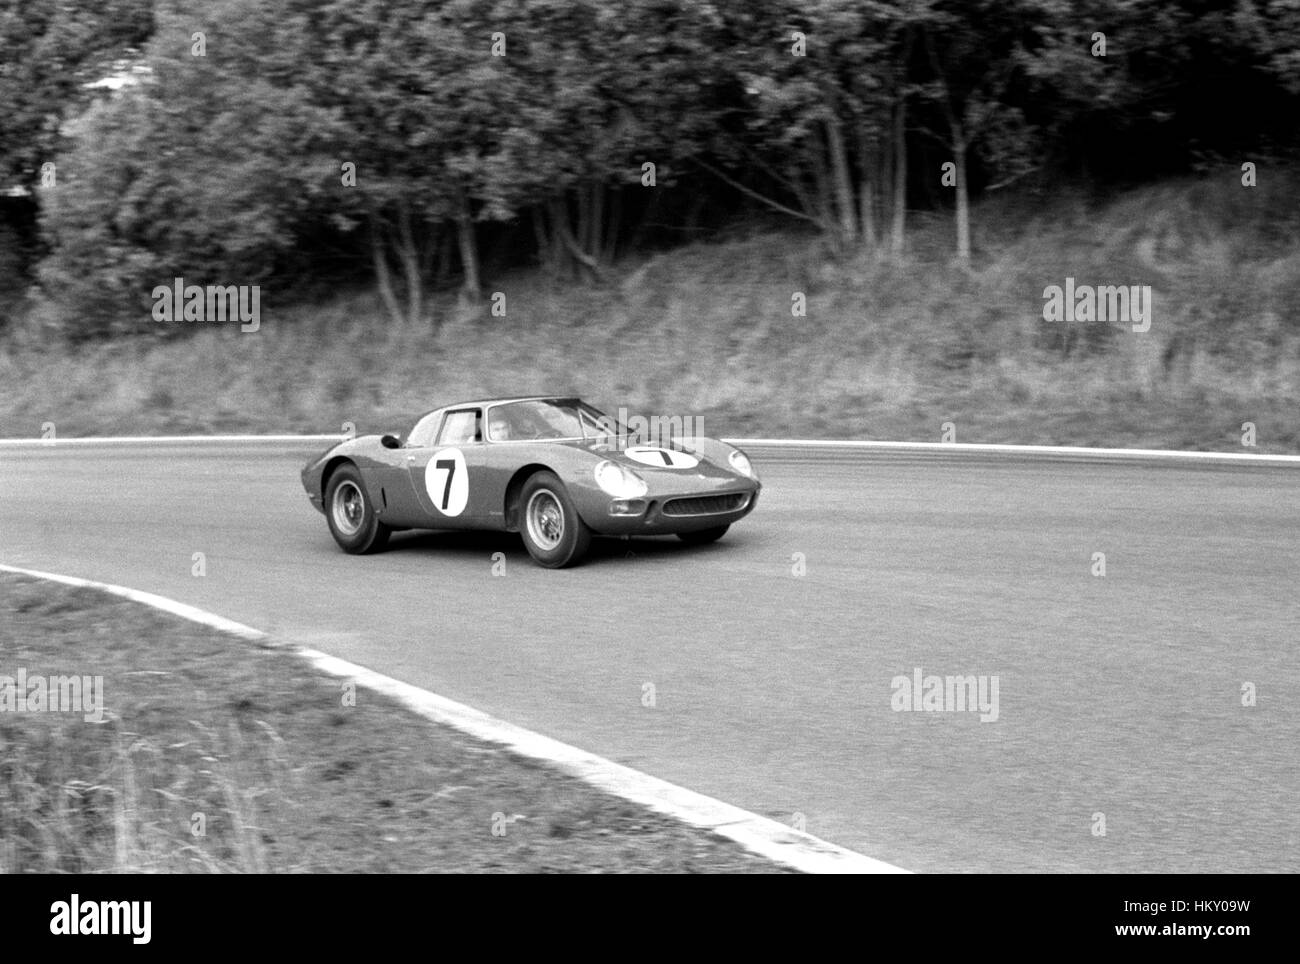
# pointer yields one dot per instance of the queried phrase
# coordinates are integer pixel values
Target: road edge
(760, 835)
(864, 445)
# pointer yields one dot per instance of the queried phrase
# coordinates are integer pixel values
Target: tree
(820, 132)
(974, 51)
(206, 169)
(49, 52)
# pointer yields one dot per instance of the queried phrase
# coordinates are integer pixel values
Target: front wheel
(554, 535)
(703, 536)
(351, 516)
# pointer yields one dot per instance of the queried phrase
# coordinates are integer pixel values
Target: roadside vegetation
(629, 199)
(220, 756)
(889, 348)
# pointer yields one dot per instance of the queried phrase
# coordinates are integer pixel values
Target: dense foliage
(423, 144)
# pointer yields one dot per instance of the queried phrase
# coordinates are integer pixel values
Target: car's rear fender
(366, 454)
(332, 466)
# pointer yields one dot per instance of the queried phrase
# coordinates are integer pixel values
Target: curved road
(1119, 695)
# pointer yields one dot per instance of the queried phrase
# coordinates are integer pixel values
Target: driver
(500, 427)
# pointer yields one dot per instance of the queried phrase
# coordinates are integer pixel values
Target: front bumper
(656, 516)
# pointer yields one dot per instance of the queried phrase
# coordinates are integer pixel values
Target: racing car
(552, 468)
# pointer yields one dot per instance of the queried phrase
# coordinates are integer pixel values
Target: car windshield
(550, 419)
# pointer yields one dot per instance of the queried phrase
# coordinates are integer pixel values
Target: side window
(422, 434)
(462, 428)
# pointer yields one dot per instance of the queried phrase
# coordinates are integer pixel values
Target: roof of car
(509, 398)
(484, 402)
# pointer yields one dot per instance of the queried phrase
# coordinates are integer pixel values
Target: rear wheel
(351, 516)
(702, 537)
(554, 535)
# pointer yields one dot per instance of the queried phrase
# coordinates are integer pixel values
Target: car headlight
(619, 481)
(740, 462)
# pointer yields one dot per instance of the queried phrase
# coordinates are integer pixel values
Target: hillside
(887, 350)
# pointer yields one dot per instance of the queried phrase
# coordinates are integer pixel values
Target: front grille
(706, 504)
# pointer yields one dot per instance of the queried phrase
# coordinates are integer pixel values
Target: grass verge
(206, 732)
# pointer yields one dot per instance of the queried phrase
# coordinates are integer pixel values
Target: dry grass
(284, 777)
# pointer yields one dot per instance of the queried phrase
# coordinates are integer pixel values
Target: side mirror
(390, 442)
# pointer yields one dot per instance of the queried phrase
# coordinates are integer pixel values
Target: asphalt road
(1118, 695)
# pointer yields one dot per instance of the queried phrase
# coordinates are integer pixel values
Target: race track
(1119, 695)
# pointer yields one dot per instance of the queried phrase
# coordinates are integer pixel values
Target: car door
(443, 473)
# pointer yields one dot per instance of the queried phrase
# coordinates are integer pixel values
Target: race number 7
(446, 480)
(450, 466)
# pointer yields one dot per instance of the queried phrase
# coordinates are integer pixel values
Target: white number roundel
(661, 458)
(447, 482)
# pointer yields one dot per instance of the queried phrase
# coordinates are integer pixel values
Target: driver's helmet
(500, 427)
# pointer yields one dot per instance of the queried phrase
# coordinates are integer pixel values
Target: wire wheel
(544, 517)
(348, 508)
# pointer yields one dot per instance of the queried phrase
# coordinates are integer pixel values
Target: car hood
(696, 458)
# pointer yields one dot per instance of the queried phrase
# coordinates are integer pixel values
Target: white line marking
(140, 439)
(1016, 449)
(760, 835)
(973, 447)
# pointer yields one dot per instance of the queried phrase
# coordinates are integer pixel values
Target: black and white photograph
(650, 437)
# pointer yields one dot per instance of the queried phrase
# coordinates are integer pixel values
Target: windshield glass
(534, 420)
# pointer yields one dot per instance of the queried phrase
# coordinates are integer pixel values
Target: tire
(553, 532)
(351, 517)
(702, 537)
